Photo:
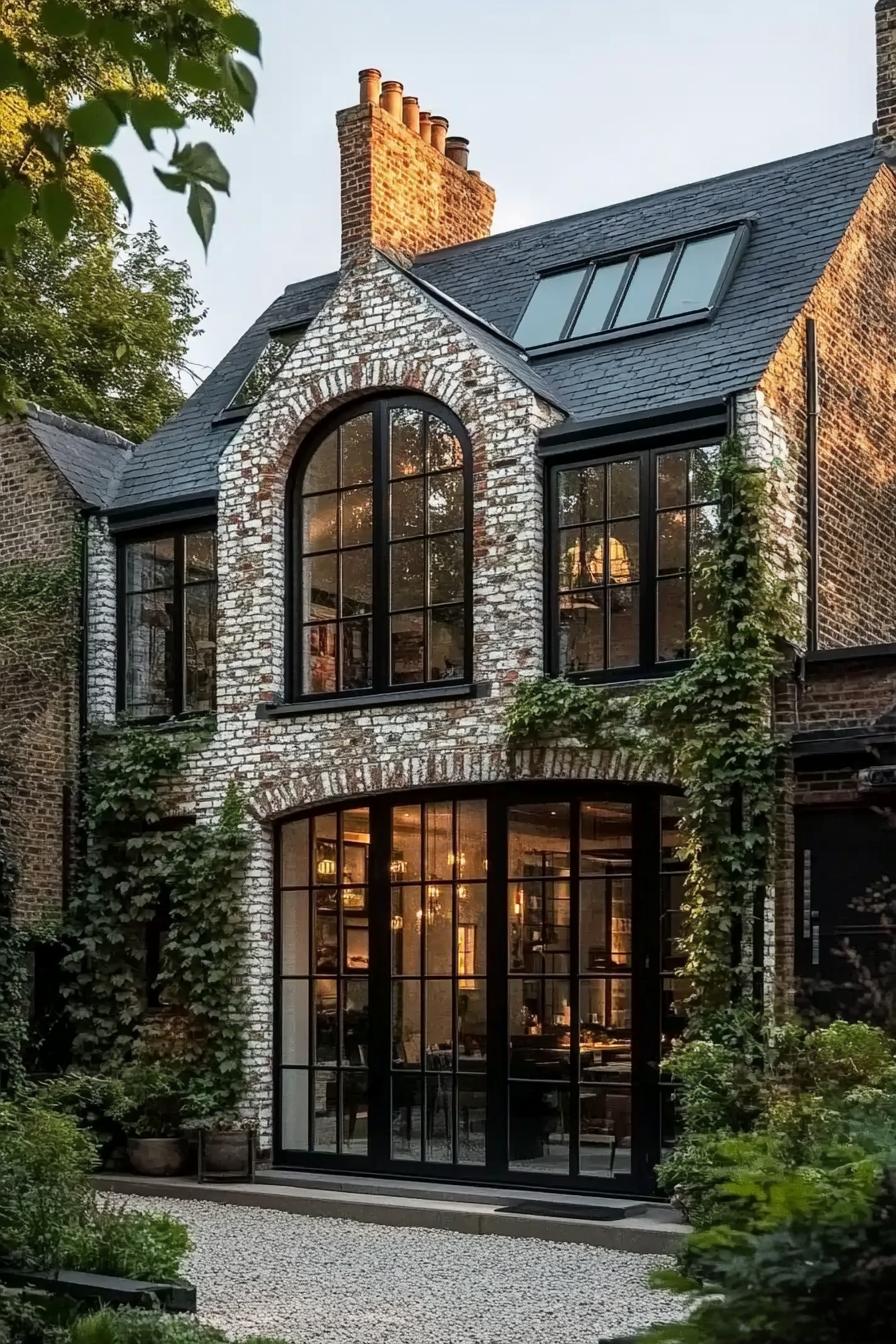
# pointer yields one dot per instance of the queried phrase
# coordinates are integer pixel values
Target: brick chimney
(885, 126)
(406, 187)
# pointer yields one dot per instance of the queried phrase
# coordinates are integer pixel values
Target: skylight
(651, 285)
(267, 366)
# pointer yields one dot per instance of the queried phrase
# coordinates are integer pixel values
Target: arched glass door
(479, 986)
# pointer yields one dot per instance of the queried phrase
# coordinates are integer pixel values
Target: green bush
(24, 1322)
(151, 1327)
(117, 1241)
(155, 1099)
(45, 1194)
(97, 1102)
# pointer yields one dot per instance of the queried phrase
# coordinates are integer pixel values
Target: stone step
(651, 1232)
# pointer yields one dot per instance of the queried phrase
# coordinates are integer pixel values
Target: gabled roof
(799, 210)
(89, 458)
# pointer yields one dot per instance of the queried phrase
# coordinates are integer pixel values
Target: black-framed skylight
(266, 367)
(662, 283)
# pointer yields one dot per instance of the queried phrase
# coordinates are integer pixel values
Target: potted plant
(152, 1118)
(226, 1134)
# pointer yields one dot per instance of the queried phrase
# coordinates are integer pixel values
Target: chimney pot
(369, 83)
(457, 149)
(439, 133)
(426, 126)
(410, 111)
(885, 125)
(390, 98)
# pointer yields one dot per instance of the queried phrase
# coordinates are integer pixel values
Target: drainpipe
(812, 482)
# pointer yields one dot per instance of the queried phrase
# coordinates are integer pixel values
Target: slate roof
(800, 208)
(89, 458)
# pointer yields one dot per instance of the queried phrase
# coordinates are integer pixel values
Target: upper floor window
(381, 540)
(168, 619)
(274, 355)
(625, 292)
(626, 533)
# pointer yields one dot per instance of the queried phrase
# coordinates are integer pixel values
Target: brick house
(460, 461)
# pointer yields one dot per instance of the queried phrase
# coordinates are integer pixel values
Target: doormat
(602, 1213)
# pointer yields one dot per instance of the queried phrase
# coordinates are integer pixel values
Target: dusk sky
(568, 105)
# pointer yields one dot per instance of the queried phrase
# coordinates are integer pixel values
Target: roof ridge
(81, 429)
(612, 206)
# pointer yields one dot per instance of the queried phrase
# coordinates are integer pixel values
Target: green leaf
(242, 32)
(198, 74)
(201, 209)
(62, 18)
(173, 181)
(157, 59)
(9, 65)
(57, 208)
(15, 208)
(239, 82)
(93, 123)
(117, 33)
(109, 170)
(201, 163)
(150, 114)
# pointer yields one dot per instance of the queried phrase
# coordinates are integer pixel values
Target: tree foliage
(74, 72)
(96, 327)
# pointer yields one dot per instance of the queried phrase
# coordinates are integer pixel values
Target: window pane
(539, 840)
(355, 1021)
(406, 1024)
(671, 530)
(439, 841)
(671, 619)
(446, 501)
(642, 289)
(471, 1117)
(294, 932)
(672, 480)
(150, 564)
(406, 843)
(405, 922)
(406, 427)
(624, 616)
(596, 308)
(439, 1019)
(326, 1111)
(539, 1127)
(150, 653)
(319, 587)
(200, 625)
(622, 548)
(704, 529)
(407, 508)
(605, 1128)
(295, 1036)
(407, 648)
(704, 474)
(539, 1022)
(443, 446)
(319, 660)
(606, 925)
(625, 488)
(325, 1020)
(697, 275)
(319, 523)
(408, 575)
(357, 582)
(580, 495)
(446, 644)
(357, 450)
(581, 557)
(294, 1106)
(548, 308)
(356, 662)
(199, 557)
(407, 1126)
(354, 1111)
(439, 1117)
(582, 633)
(446, 568)
(606, 1028)
(294, 854)
(320, 473)
(356, 508)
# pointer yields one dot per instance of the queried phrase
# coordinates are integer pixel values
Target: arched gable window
(381, 551)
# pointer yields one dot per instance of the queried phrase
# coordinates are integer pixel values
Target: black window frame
(287, 335)
(653, 323)
(649, 581)
(178, 531)
(381, 688)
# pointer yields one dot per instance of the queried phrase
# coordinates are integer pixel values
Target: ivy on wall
(133, 864)
(38, 610)
(13, 983)
(707, 729)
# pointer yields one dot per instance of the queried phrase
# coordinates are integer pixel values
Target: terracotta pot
(157, 1157)
(227, 1152)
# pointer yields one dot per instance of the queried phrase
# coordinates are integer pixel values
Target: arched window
(381, 551)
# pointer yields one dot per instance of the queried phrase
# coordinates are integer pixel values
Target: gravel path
(330, 1281)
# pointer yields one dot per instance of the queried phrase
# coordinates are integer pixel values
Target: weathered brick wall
(400, 194)
(854, 306)
(38, 701)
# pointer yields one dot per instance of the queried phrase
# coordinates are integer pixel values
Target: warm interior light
(326, 867)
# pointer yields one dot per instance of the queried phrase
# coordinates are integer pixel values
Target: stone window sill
(371, 700)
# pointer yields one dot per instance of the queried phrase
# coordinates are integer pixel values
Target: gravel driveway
(329, 1281)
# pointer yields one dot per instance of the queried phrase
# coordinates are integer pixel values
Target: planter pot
(157, 1157)
(226, 1153)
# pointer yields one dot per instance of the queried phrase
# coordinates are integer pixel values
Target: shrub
(150, 1327)
(23, 1322)
(97, 1102)
(155, 1099)
(45, 1194)
(117, 1241)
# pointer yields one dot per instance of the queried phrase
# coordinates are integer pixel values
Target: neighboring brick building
(458, 462)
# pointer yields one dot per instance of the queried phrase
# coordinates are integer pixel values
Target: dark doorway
(479, 986)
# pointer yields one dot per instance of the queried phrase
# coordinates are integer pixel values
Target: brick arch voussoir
(305, 789)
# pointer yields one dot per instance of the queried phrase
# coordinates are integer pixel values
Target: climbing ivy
(132, 863)
(37, 610)
(708, 729)
(13, 983)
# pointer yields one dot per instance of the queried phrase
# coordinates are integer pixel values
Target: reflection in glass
(326, 1111)
(354, 1111)
(406, 1026)
(697, 275)
(595, 310)
(471, 1115)
(407, 1127)
(642, 289)
(294, 1035)
(548, 308)
(294, 1108)
(538, 1136)
(540, 1027)
(439, 1117)
(605, 1131)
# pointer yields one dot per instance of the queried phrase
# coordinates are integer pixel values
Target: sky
(568, 105)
